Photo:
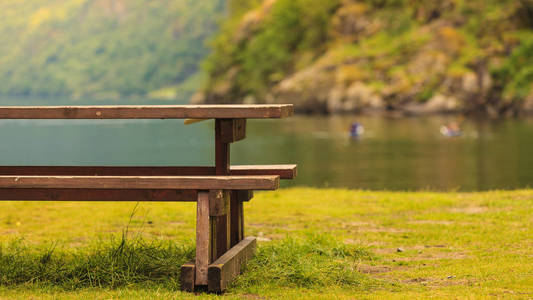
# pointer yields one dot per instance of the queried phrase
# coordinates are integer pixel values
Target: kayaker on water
(356, 130)
(451, 129)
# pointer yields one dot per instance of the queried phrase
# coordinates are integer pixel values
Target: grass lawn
(313, 243)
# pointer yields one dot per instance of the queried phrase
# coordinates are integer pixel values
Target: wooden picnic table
(219, 190)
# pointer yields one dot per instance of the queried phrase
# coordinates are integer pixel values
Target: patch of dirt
(469, 210)
(438, 282)
(432, 222)
(368, 269)
(356, 224)
(270, 225)
(252, 296)
(415, 280)
(432, 256)
(426, 252)
(434, 246)
(176, 223)
(366, 227)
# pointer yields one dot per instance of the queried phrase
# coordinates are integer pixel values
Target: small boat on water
(356, 130)
(451, 130)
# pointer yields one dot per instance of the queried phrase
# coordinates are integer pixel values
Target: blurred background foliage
(322, 55)
(345, 55)
(103, 48)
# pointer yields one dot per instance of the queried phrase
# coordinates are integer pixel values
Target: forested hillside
(355, 55)
(102, 48)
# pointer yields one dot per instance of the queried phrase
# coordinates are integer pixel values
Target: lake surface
(393, 153)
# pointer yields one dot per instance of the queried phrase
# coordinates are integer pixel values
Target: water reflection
(393, 153)
(398, 153)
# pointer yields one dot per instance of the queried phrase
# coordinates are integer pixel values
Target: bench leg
(237, 219)
(212, 237)
(203, 236)
(187, 276)
(220, 222)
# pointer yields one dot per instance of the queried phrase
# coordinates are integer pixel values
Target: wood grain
(232, 130)
(222, 150)
(187, 275)
(284, 171)
(236, 219)
(203, 236)
(267, 182)
(221, 223)
(218, 202)
(136, 195)
(148, 112)
(228, 266)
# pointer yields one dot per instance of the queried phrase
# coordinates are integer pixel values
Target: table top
(259, 111)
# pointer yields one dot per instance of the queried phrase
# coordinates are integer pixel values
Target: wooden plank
(267, 182)
(220, 241)
(228, 266)
(192, 121)
(222, 151)
(232, 130)
(236, 219)
(220, 223)
(284, 171)
(109, 170)
(40, 194)
(187, 275)
(203, 236)
(148, 112)
(218, 203)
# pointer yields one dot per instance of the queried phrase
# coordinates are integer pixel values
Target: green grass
(313, 243)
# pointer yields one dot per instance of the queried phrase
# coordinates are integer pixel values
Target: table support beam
(222, 271)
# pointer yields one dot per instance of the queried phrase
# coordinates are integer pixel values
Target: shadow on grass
(313, 261)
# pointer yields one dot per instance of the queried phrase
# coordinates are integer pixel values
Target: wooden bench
(219, 190)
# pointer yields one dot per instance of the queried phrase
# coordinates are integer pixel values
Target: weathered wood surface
(136, 195)
(220, 223)
(284, 171)
(203, 237)
(187, 276)
(237, 216)
(220, 242)
(232, 130)
(148, 112)
(267, 182)
(222, 151)
(222, 271)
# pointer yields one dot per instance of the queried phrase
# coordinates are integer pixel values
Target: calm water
(394, 153)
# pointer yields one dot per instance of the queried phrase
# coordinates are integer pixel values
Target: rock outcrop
(416, 57)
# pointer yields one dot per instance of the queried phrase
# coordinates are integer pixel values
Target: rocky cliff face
(357, 56)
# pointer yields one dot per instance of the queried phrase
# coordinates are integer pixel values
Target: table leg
(237, 219)
(219, 202)
(203, 237)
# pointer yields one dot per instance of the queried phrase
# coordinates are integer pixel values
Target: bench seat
(265, 182)
(283, 171)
